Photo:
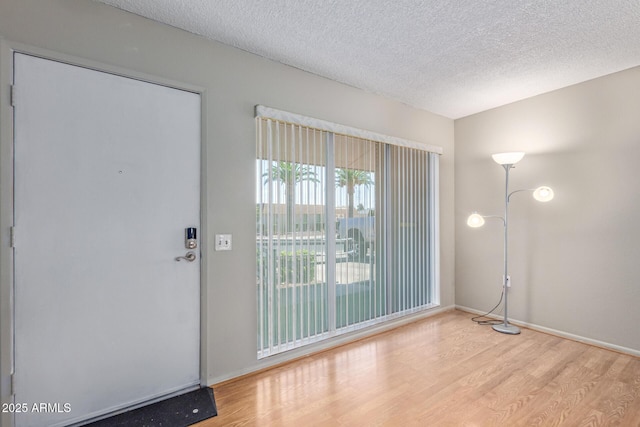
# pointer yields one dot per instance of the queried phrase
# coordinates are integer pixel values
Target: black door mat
(179, 411)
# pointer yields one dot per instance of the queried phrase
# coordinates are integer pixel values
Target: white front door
(107, 178)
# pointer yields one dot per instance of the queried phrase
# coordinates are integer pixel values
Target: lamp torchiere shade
(510, 158)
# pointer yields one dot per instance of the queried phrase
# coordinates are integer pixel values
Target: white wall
(234, 81)
(575, 261)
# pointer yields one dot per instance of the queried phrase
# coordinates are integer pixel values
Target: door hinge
(12, 237)
(12, 95)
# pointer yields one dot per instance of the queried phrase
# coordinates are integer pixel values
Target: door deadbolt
(190, 238)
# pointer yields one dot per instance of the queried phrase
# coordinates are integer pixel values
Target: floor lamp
(541, 194)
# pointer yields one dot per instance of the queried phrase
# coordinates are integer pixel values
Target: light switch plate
(223, 242)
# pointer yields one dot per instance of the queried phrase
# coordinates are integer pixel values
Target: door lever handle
(190, 256)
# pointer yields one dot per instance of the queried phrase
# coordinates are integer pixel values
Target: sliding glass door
(346, 232)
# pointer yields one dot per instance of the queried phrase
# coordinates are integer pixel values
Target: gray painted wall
(234, 81)
(575, 261)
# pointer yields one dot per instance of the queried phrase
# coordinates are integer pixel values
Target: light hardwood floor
(441, 371)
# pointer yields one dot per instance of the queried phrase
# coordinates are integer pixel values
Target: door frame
(7, 50)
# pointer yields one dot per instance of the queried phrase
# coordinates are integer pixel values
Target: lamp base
(506, 328)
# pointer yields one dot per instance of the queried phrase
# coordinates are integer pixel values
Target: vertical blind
(291, 236)
(346, 229)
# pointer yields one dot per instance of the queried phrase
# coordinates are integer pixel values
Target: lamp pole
(506, 327)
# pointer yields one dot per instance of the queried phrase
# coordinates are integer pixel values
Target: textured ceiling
(453, 58)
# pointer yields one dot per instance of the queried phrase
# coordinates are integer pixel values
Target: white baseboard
(550, 331)
(339, 340)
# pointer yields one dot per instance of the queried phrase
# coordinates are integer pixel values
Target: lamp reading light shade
(543, 194)
(475, 220)
(508, 158)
